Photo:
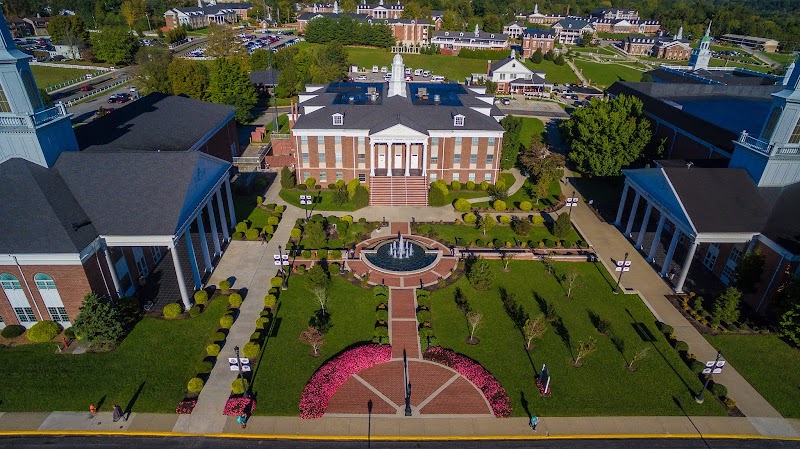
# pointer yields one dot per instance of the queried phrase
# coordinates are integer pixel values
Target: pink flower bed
(334, 373)
(475, 373)
(185, 407)
(237, 406)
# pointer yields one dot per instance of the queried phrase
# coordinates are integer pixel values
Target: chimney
(488, 67)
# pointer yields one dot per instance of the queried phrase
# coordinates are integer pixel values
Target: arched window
(4, 105)
(52, 299)
(19, 302)
(772, 121)
(31, 90)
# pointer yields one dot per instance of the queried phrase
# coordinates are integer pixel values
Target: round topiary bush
(382, 315)
(43, 331)
(241, 227)
(306, 254)
(195, 385)
(505, 219)
(219, 337)
(549, 243)
(235, 300)
(262, 322)
(424, 316)
(276, 281)
(525, 206)
(239, 386)
(470, 185)
(322, 253)
(479, 242)
(255, 336)
(238, 235)
(12, 331)
(173, 310)
(666, 329)
(425, 332)
(334, 269)
(719, 390)
(484, 185)
(336, 254)
(273, 220)
(270, 301)
(455, 185)
(295, 233)
(301, 269)
(200, 297)
(302, 187)
(461, 205)
(195, 311)
(212, 349)
(499, 205)
(682, 346)
(470, 218)
(204, 367)
(251, 350)
(280, 208)
(697, 366)
(269, 229)
(224, 285)
(381, 331)
(251, 234)
(226, 321)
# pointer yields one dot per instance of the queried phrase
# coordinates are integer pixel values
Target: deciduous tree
(584, 350)
(474, 320)
(318, 281)
(726, 306)
(314, 338)
(188, 78)
(152, 71)
(638, 355)
(480, 274)
(230, 84)
(222, 42)
(133, 11)
(114, 45)
(533, 328)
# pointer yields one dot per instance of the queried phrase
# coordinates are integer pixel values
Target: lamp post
(714, 367)
(407, 385)
(622, 267)
(305, 200)
(241, 374)
(284, 286)
(149, 27)
(572, 202)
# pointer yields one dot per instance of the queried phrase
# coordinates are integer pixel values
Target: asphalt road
(85, 111)
(79, 442)
(97, 83)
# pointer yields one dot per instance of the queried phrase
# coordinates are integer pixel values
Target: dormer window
(338, 119)
(458, 120)
(461, 34)
(446, 33)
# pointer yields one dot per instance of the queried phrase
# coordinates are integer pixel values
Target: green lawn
(716, 62)
(451, 67)
(147, 373)
(604, 75)
(531, 126)
(467, 234)
(323, 200)
(553, 73)
(46, 76)
(781, 58)
(245, 207)
(602, 387)
(769, 364)
(283, 124)
(286, 366)
(554, 190)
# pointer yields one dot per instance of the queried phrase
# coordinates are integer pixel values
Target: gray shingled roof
(573, 24)
(392, 111)
(215, 8)
(156, 122)
(138, 193)
(267, 77)
(40, 212)
(335, 16)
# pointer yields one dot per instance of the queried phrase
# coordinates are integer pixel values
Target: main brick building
(397, 137)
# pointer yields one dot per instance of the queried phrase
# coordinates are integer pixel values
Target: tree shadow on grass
(132, 402)
(619, 345)
(562, 331)
(271, 331)
(603, 274)
(518, 316)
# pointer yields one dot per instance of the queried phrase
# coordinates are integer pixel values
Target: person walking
(263, 236)
(117, 413)
(242, 420)
(534, 422)
(92, 410)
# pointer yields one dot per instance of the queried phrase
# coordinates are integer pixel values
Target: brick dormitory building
(139, 192)
(396, 137)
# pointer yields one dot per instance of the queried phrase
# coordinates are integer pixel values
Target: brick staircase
(398, 191)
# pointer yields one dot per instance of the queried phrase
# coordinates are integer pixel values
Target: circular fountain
(401, 255)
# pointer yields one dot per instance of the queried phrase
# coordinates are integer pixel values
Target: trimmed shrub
(251, 350)
(361, 197)
(270, 301)
(719, 390)
(461, 204)
(381, 331)
(499, 205)
(336, 254)
(274, 291)
(241, 227)
(262, 322)
(525, 206)
(295, 233)
(280, 208)
(277, 281)
(470, 218)
(425, 332)
(255, 336)
(347, 218)
(310, 182)
(697, 366)
(195, 385)
(682, 346)
(195, 311)
(172, 310)
(251, 234)
(549, 243)
(224, 285)
(219, 336)
(479, 242)
(269, 229)
(322, 253)
(521, 227)
(380, 290)
(562, 226)
(438, 194)
(334, 269)
(69, 333)
(239, 386)
(226, 321)
(204, 367)
(505, 219)
(235, 300)
(470, 185)
(484, 185)
(238, 236)
(43, 331)
(212, 349)
(302, 187)
(306, 254)
(537, 220)
(455, 185)
(424, 316)
(273, 220)
(301, 269)
(382, 315)
(666, 329)
(12, 331)
(200, 297)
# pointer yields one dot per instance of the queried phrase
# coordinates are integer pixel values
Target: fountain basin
(381, 257)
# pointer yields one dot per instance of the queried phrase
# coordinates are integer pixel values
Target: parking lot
(380, 74)
(252, 41)
(520, 106)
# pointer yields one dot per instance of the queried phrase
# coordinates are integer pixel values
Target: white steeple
(679, 36)
(336, 7)
(28, 129)
(701, 55)
(708, 30)
(397, 85)
(199, 3)
(477, 29)
(536, 8)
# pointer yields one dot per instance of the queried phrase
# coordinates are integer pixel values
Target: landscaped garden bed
(328, 233)
(260, 224)
(601, 330)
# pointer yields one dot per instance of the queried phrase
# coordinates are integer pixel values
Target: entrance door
(414, 161)
(398, 158)
(382, 159)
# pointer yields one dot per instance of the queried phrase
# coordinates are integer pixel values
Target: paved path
(610, 244)
(577, 72)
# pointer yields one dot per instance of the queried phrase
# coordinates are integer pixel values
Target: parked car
(119, 98)
(418, 72)
(426, 73)
(505, 101)
(437, 78)
(409, 78)
(374, 69)
(361, 78)
(86, 88)
(384, 69)
(409, 70)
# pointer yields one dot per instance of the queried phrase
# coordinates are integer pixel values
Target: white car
(426, 73)
(437, 78)
(387, 77)
(361, 78)
(409, 70)
(374, 69)
(418, 72)
(384, 69)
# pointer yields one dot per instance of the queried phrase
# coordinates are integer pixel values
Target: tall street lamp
(622, 266)
(241, 374)
(305, 201)
(714, 367)
(284, 286)
(572, 202)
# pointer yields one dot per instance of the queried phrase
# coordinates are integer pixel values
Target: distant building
(203, 14)
(539, 18)
(452, 42)
(615, 14)
(67, 51)
(513, 76)
(514, 29)
(621, 26)
(572, 31)
(319, 8)
(751, 42)
(534, 39)
(381, 10)
(663, 47)
(20, 28)
(39, 25)
(405, 31)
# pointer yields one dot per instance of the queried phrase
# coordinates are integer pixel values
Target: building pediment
(398, 131)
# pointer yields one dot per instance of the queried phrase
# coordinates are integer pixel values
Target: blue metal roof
(654, 181)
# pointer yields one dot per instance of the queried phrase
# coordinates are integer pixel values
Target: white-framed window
(434, 141)
(458, 120)
(711, 256)
(5, 106)
(491, 142)
(9, 282)
(473, 158)
(156, 251)
(321, 156)
(457, 158)
(795, 137)
(456, 176)
(474, 141)
(338, 119)
(487, 177)
(304, 139)
(304, 156)
(44, 282)
(339, 175)
(458, 142)
(502, 77)
(337, 140)
(25, 314)
(306, 175)
(338, 156)
(361, 140)
(362, 158)
(362, 177)
(490, 158)
(471, 177)
(434, 158)
(58, 314)
(434, 177)
(323, 176)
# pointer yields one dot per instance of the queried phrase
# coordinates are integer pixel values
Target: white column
(222, 221)
(652, 254)
(113, 271)
(685, 268)
(371, 158)
(230, 201)
(187, 303)
(193, 260)
(204, 243)
(670, 252)
(389, 158)
(212, 218)
(643, 228)
(408, 157)
(425, 157)
(631, 219)
(621, 208)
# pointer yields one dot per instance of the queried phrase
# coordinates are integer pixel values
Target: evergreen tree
(99, 322)
(562, 226)
(537, 56)
(559, 60)
(230, 85)
(259, 60)
(480, 274)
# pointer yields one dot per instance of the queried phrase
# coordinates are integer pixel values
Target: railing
(14, 122)
(96, 91)
(57, 110)
(788, 150)
(754, 143)
(74, 81)
(278, 136)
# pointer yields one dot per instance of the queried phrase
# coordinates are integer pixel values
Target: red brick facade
(224, 144)
(533, 41)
